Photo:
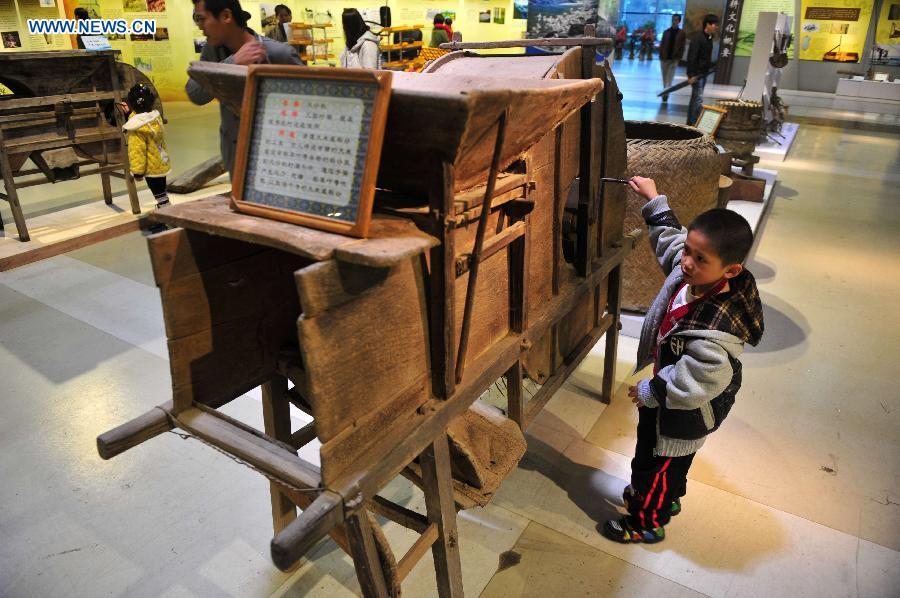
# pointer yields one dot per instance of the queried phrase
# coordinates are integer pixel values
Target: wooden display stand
(75, 120)
(389, 341)
(392, 54)
(317, 45)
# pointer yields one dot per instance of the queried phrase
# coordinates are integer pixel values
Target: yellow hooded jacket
(147, 153)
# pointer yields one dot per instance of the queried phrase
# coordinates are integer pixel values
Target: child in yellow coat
(147, 153)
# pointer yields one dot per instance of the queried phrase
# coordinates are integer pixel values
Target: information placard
(310, 144)
(710, 119)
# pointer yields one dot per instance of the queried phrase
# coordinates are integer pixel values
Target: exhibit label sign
(310, 144)
(834, 30)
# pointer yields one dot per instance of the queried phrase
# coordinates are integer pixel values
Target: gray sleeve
(702, 373)
(368, 55)
(282, 53)
(666, 233)
(195, 91)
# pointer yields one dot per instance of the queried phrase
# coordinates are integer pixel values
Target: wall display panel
(750, 17)
(558, 18)
(887, 34)
(834, 30)
(14, 36)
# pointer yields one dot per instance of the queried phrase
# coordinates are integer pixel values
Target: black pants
(655, 481)
(157, 185)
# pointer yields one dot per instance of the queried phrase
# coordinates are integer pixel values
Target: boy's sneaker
(676, 507)
(619, 530)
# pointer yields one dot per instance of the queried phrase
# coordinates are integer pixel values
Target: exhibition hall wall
(842, 29)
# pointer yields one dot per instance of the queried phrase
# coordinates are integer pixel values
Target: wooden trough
(57, 116)
(475, 270)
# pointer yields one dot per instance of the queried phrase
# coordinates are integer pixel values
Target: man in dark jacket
(230, 40)
(671, 49)
(699, 61)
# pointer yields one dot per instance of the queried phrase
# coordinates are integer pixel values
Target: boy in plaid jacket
(693, 334)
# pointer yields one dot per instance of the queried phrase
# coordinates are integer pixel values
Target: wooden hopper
(389, 341)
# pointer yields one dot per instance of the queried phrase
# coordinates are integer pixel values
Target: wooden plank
(134, 432)
(415, 553)
(391, 240)
(499, 241)
(474, 197)
(342, 452)
(277, 422)
(330, 284)
(570, 363)
(442, 285)
(263, 454)
(365, 557)
(49, 101)
(237, 290)
(436, 477)
(177, 253)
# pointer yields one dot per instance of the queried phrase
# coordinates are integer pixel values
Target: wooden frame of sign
(710, 119)
(309, 145)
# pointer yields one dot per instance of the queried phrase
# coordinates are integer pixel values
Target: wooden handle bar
(132, 433)
(313, 524)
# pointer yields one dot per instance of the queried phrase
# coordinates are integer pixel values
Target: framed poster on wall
(309, 145)
(834, 30)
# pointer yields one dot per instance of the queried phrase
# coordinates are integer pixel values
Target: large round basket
(685, 165)
(742, 127)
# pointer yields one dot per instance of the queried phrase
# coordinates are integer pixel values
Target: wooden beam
(417, 551)
(313, 524)
(365, 556)
(134, 432)
(277, 422)
(438, 485)
(398, 514)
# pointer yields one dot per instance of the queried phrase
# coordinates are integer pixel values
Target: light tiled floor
(82, 349)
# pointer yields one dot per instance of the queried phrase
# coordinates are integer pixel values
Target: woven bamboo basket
(685, 165)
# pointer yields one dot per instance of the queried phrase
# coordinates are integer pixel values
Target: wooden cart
(59, 103)
(388, 342)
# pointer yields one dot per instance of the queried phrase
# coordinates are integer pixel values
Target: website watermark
(91, 26)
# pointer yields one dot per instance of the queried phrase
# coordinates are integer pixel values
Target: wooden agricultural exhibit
(494, 252)
(60, 116)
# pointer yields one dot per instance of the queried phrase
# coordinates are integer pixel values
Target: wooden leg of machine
(365, 556)
(11, 195)
(107, 188)
(132, 192)
(515, 404)
(435, 462)
(612, 335)
(277, 420)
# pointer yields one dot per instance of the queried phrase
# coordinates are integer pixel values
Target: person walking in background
(699, 62)
(283, 15)
(439, 33)
(647, 39)
(671, 49)
(230, 40)
(362, 50)
(448, 27)
(80, 14)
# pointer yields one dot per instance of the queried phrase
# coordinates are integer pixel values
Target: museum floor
(797, 495)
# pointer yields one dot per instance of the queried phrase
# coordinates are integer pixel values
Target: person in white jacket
(362, 50)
